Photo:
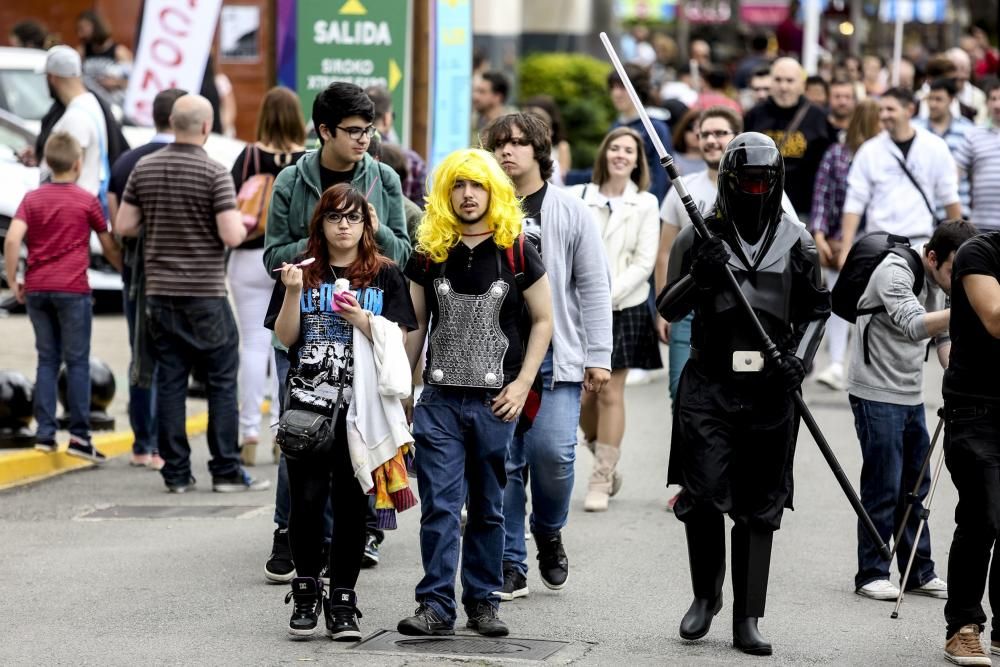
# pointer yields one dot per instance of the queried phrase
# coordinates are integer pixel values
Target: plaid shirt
(954, 136)
(830, 191)
(413, 186)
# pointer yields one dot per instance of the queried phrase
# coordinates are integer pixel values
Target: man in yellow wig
(472, 276)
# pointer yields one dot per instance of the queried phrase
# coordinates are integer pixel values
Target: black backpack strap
(515, 260)
(864, 333)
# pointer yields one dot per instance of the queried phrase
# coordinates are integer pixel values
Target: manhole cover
(466, 645)
(113, 512)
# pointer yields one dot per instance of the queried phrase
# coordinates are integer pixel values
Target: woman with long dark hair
(318, 328)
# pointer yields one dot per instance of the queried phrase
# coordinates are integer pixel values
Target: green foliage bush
(578, 83)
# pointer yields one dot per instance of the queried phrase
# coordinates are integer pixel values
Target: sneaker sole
(496, 633)
(507, 597)
(938, 595)
(555, 587)
(299, 634)
(369, 561)
(345, 635)
(877, 596)
(968, 661)
(413, 632)
(240, 488)
(43, 448)
(276, 578)
(87, 457)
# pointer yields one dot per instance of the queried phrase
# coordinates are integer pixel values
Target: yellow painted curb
(19, 467)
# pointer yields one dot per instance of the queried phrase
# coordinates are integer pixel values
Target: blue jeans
(545, 455)
(187, 332)
(141, 401)
(458, 438)
(61, 321)
(894, 443)
(680, 351)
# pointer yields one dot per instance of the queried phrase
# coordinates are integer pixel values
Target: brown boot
(601, 479)
(248, 451)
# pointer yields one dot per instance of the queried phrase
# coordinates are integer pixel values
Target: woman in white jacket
(628, 219)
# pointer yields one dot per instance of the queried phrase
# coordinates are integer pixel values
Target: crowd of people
(523, 286)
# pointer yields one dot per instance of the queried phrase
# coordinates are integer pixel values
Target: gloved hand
(789, 371)
(708, 267)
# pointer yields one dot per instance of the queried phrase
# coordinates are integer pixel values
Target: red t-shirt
(59, 217)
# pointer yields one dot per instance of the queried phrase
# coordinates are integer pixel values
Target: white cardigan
(376, 421)
(631, 235)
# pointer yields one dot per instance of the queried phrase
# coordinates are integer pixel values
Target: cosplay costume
(734, 424)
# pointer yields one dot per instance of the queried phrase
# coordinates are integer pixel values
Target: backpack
(254, 196)
(854, 276)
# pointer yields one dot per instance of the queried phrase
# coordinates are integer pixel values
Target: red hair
(341, 198)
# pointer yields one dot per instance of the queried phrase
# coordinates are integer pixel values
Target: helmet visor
(754, 180)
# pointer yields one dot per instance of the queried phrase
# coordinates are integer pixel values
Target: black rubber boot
(706, 541)
(751, 560)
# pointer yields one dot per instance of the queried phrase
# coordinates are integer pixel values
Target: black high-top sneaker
(553, 566)
(279, 567)
(341, 612)
(306, 593)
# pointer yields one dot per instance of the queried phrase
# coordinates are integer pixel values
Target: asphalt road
(191, 591)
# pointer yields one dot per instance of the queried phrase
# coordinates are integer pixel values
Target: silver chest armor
(467, 346)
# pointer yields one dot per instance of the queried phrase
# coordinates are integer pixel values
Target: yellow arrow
(353, 8)
(395, 74)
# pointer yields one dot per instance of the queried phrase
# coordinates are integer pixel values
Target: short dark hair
(717, 77)
(534, 130)
(761, 71)
(815, 80)
(639, 76)
(718, 111)
(945, 83)
(340, 100)
(30, 33)
(990, 84)
(902, 95)
(547, 104)
(163, 104)
(939, 66)
(947, 238)
(499, 83)
(381, 98)
(841, 81)
(759, 42)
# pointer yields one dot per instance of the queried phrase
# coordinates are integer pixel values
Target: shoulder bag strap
(913, 180)
(246, 163)
(794, 125)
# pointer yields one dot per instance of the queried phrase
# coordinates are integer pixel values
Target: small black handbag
(306, 435)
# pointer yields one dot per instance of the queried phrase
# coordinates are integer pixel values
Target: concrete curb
(26, 466)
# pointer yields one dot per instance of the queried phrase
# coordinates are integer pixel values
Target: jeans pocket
(211, 326)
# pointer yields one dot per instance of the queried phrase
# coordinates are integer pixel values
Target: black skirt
(635, 342)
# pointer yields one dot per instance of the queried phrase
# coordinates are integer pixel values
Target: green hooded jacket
(295, 194)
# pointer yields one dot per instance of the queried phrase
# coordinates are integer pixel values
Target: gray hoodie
(574, 259)
(897, 338)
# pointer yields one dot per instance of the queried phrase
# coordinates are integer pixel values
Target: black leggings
(310, 483)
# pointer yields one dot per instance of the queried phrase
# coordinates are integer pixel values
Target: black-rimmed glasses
(334, 217)
(718, 134)
(355, 133)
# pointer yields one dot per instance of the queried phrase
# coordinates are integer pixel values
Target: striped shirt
(59, 218)
(954, 136)
(180, 190)
(979, 157)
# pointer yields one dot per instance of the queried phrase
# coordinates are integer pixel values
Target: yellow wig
(440, 229)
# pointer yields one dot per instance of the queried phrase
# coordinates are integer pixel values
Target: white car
(24, 100)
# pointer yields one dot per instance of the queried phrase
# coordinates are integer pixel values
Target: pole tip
(894, 614)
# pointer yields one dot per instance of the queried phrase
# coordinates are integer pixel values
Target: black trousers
(972, 454)
(310, 483)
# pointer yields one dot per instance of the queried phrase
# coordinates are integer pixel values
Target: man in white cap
(83, 119)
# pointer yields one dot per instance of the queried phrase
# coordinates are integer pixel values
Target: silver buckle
(748, 361)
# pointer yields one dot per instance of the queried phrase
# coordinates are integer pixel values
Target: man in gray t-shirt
(885, 384)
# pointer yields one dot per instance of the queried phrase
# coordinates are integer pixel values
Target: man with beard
(843, 99)
(735, 425)
(471, 277)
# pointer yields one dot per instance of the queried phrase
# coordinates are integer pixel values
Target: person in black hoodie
(803, 143)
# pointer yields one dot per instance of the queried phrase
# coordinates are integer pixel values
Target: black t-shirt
(325, 347)
(533, 217)
(974, 368)
(123, 166)
(329, 178)
(260, 162)
(472, 271)
(904, 146)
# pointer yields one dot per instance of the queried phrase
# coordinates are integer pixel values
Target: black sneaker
(515, 585)
(47, 446)
(370, 557)
(307, 593)
(279, 567)
(181, 487)
(241, 481)
(341, 612)
(424, 622)
(484, 620)
(84, 449)
(553, 566)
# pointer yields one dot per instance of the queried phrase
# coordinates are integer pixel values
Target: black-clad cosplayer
(735, 423)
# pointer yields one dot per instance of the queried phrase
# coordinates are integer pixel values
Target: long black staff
(913, 499)
(769, 347)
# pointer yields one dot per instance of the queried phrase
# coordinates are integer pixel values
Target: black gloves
(708, 267)
(789, 371)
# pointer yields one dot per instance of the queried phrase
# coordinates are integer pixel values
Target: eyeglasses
(718, 134)
(334, 217)
(355, 133)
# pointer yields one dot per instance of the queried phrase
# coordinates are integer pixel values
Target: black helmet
(751, 185)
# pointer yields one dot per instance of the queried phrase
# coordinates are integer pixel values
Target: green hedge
(578, 83)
